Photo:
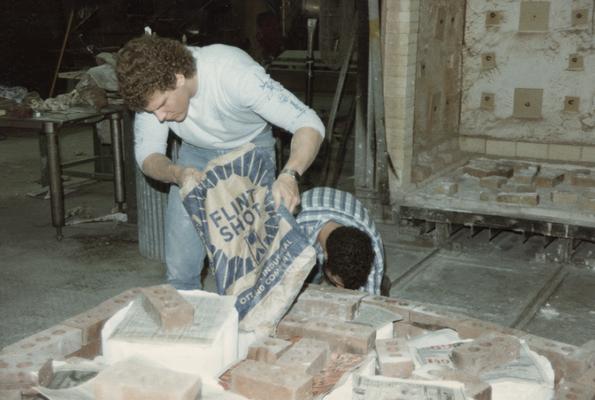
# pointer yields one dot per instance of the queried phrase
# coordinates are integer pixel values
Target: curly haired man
(348, 246)
(215, 99)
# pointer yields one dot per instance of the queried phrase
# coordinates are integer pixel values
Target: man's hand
(285, 189)
(188, 175)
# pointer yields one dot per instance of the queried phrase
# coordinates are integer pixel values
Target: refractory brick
(261, 381)
(134, 379)
(548, 178)
(557, 353)
(574, 391)
(292, 325)
(399, 306)
(22, 369)
(561, 197)
(91, 321)
(341, 336)
(55, 342)
(167, 307)
(521, 199)
(321, 301)
(486, 352)
(492, 182)
(394, 359)
(482, 168)
(307, 355)
(268, 349)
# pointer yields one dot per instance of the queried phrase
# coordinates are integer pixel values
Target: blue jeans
(184, 249)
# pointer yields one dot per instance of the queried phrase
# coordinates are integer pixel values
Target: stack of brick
(136, 379)
(317, 329)
(28, 362)
(276, 369)
(492, 346)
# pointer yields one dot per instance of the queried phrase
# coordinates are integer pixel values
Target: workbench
(49, 125)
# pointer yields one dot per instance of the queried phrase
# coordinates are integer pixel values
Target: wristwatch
(291, 172)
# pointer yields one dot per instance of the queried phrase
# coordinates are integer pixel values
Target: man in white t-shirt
(215, 98)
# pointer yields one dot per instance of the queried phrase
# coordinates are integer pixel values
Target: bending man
(215, 98)
(348, 246)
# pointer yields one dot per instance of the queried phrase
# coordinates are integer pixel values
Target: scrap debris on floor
(332, 344)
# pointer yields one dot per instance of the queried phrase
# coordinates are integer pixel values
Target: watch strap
(291, 172)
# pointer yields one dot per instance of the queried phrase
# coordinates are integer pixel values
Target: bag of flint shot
(257, 253)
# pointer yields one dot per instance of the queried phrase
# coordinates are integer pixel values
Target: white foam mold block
(206, 348)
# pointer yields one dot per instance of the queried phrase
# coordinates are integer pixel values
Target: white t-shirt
(236, 101)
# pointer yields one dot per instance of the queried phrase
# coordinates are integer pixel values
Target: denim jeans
(184, 249)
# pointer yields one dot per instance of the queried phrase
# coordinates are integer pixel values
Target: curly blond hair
(148, 64)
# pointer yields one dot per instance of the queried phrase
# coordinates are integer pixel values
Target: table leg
(55, 177)
(116, 132)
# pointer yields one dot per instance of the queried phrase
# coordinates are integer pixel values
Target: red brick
(336, 303)
(517, 188)
(486, 352)
(574, 391)
(434, 317)
(307, 355)
(447, 188)
(10, 394)
(581, 178)
(91, 321)
(55, 342)
(557, 353)
(581, 359)
(483, 168)
(21, 369)
(492, 182)
(88, 351)
(472, 328)
(291, 325)
(564, 197)
(587, 204)
(588, 378)
(394, 359)
(26, 389)
(268, 350)
(522, 199)
(167, 307)
(261, 381)
(524, 175)
(132, 379)
(401, 307)
(340, 335)
(549, 179)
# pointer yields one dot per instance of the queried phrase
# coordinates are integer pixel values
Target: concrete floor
(42, 281)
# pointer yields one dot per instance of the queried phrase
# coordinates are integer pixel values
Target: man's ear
(180, 80)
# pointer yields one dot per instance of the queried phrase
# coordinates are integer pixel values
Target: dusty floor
(42, 281)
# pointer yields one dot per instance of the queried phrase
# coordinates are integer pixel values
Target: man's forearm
(304, 148)
(161, 168)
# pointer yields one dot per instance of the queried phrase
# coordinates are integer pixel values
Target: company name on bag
(237, 216)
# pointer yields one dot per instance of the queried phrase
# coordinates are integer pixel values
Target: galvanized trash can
(151, 200)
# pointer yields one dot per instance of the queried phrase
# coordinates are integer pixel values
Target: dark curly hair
(148, 64)
(350, 255)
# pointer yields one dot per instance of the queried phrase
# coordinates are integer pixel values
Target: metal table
(49, 125)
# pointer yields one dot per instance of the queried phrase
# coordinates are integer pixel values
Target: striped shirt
(323, 204)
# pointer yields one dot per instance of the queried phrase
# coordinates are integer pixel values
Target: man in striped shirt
(349, 248)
